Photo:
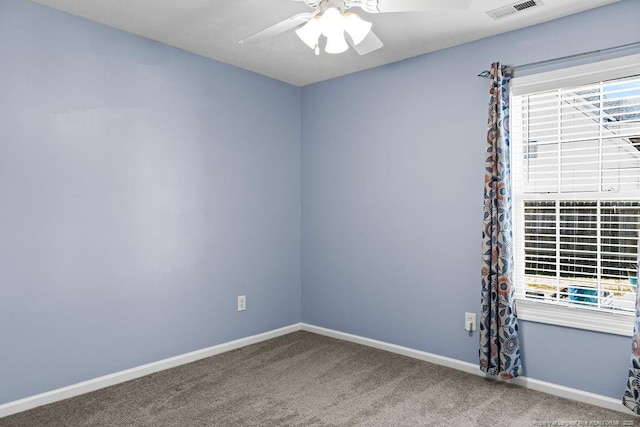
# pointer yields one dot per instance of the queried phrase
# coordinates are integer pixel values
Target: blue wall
(392, 182)
(142, 189)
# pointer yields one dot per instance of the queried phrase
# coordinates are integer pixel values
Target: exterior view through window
(576, 176)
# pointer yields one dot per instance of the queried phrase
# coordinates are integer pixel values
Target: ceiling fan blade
(421, 5)
(279, 28)
(370, 43)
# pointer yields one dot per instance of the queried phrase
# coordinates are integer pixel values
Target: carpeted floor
(304, 379)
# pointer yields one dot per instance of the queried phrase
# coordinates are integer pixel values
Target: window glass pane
(620, 168)
(540, 167)
(579, 113)
(576, 175)
(579, 160)
(621, 106)
(540, 238)
(582, 252)
(578, 240)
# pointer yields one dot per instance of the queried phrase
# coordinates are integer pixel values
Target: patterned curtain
(631, 398)
(499, 344)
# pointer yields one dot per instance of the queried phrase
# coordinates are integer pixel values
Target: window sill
(575, 317)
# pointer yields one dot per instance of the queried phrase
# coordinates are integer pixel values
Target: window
(576, 192)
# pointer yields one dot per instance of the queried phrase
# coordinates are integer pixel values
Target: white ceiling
(212, 28)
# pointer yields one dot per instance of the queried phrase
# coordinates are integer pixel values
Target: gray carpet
(304, 379)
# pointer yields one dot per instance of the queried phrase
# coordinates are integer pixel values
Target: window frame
(568, 315)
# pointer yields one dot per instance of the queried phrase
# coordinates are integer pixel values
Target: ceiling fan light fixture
(331, 22)
(336, 43)
(356, 27)
(310, 32)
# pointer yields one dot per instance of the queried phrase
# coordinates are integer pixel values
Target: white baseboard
(398, 349)
(140, 371)
(530, 383)
(572, 394)
(137, 372)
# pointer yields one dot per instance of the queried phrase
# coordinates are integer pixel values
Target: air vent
(503, 12)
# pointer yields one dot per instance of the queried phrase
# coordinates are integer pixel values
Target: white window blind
(576, 175)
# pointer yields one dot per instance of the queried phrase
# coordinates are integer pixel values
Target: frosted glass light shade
(331, 22)
(336, 43)
(357, 27)
(309, 33)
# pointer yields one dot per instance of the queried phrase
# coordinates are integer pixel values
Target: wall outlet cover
(470, 322)
(242, 302)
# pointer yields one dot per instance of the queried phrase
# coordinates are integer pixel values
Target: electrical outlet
(242, 302)
(470, 322)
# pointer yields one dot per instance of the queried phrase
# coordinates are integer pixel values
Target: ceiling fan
(334, 20)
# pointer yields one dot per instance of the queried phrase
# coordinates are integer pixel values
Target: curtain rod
(487, 73)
